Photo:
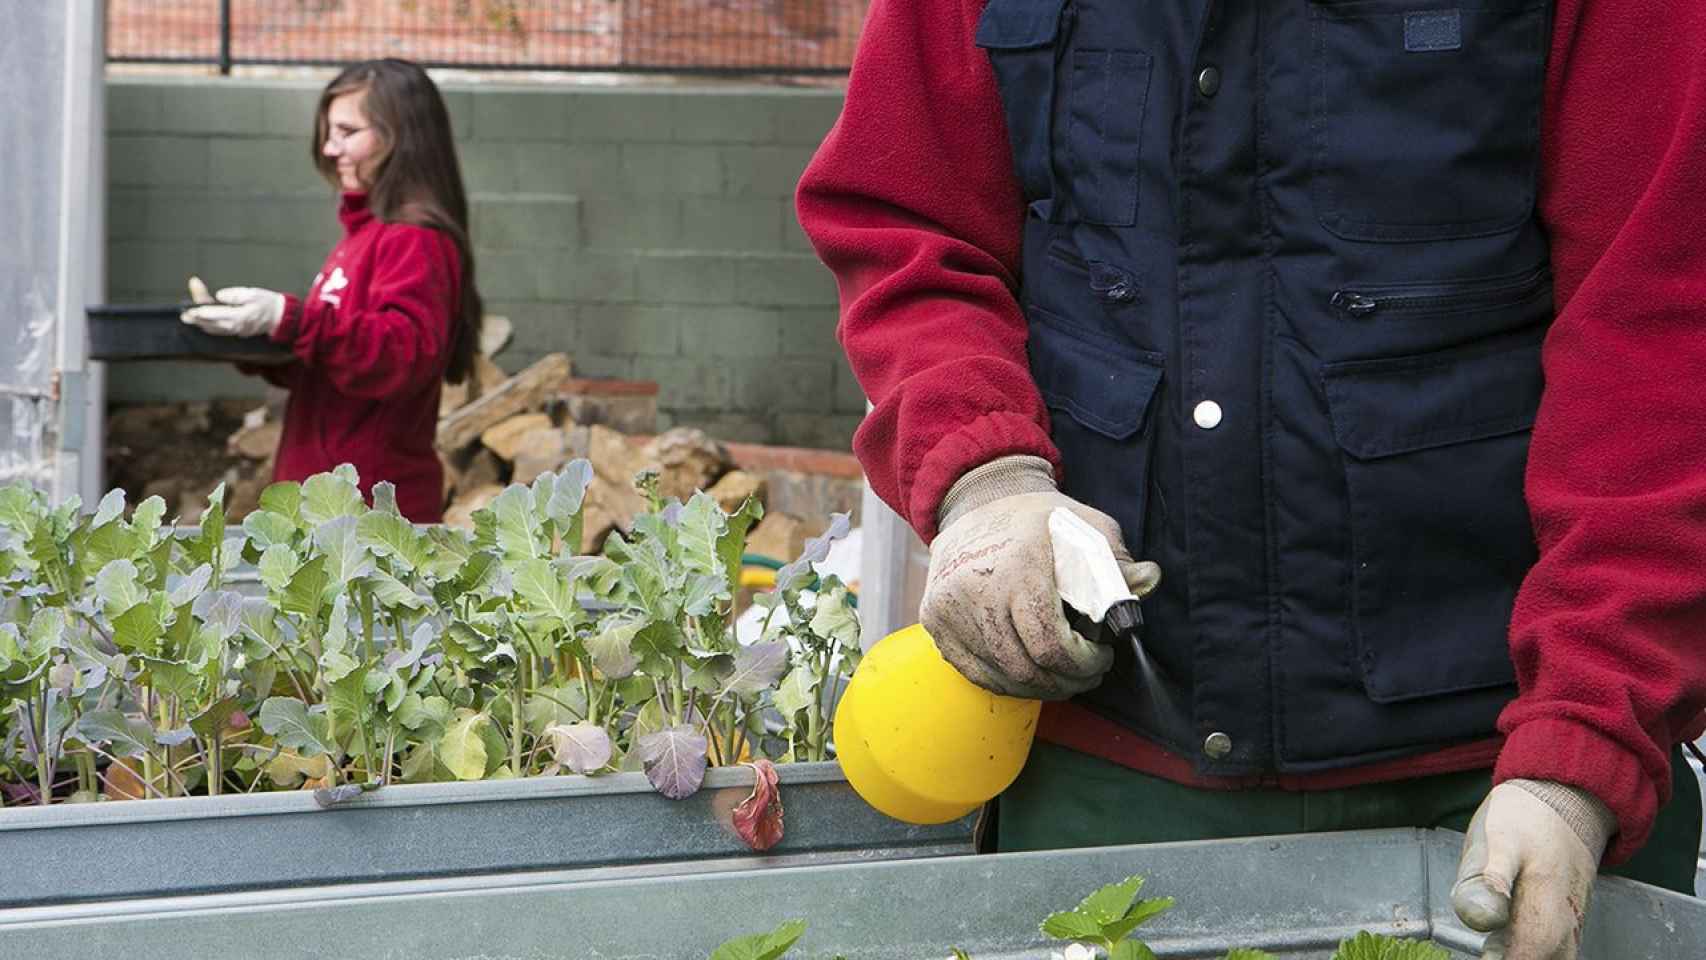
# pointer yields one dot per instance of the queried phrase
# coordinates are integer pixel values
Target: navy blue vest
(1286, 294)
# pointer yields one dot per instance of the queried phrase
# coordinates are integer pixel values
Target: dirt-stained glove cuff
(1586, 814)
(1001, 477)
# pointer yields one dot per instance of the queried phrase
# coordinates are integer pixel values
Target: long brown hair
(414, 177)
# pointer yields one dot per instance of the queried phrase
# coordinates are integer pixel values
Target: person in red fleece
(394, 312)
(1377, 326)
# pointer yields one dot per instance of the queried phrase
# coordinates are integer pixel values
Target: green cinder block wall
(646, 231)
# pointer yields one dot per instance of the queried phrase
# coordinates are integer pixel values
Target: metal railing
(632, 36)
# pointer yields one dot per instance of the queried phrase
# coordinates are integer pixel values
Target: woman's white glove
(1528, 866)
(234, 311)
(990, 601)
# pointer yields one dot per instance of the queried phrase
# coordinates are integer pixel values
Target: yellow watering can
(920, 742)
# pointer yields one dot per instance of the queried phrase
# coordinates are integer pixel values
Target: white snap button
(1207, 414)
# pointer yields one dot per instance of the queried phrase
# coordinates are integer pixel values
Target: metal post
(225, 37)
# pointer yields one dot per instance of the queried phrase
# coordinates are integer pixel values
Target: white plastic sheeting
(52, 205)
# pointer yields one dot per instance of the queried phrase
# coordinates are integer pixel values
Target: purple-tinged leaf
(675, 760)
(582, 747)
(758, 667)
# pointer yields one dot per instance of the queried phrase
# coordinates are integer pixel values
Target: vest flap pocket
(1439, 533)
(1019, 24)
(1103, 384)
(1381, 408)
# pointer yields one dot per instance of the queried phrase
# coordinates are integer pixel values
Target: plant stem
(516, 730)
(215, 764)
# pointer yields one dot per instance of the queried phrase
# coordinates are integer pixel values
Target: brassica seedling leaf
(326, 497)
(581, 747)
(675, 760)
(612, 648)
(757, 667)
(462, 749)
(289, 722)
(128, 736)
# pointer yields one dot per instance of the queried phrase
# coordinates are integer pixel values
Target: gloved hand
(1528, 867)
(990, 600)
(234, 311)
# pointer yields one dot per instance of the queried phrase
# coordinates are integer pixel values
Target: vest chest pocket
(1066, 100)
(1434, 449)
(1425, 118)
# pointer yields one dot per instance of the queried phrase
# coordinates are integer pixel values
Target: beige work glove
(1528, 866)
(990, 600)
(234, 311)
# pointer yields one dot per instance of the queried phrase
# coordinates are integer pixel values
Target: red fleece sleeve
(1609, 633)
(913, 203)
(398, 339)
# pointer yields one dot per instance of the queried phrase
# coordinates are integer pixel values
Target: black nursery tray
(120, 332)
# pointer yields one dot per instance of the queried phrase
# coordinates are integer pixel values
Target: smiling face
(351, 142)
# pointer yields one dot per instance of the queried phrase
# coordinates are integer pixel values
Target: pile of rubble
(496, 430)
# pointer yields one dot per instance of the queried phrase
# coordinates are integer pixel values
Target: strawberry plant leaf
(758, 818)
(1368, 946)
(581, 747)
(1113, 901)
(1139, 914)
(675, 760)
(1071, 925)
(762, 946)
(757, 667)
(1131, 950)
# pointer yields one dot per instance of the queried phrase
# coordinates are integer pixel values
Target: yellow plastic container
(920, 742)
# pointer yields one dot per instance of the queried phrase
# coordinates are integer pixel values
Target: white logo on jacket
(334, 283)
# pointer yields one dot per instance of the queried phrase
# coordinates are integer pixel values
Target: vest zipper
(1442, 298)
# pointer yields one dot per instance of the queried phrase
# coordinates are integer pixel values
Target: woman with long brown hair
(394, 312)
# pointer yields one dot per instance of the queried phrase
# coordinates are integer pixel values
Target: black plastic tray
(120, 332)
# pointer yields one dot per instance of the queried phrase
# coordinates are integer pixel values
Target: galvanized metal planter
(1294, 896)
(156, 848)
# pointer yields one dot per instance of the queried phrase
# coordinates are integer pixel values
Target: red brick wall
(771, 34)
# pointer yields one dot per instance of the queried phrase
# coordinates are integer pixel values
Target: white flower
(1076, 951)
